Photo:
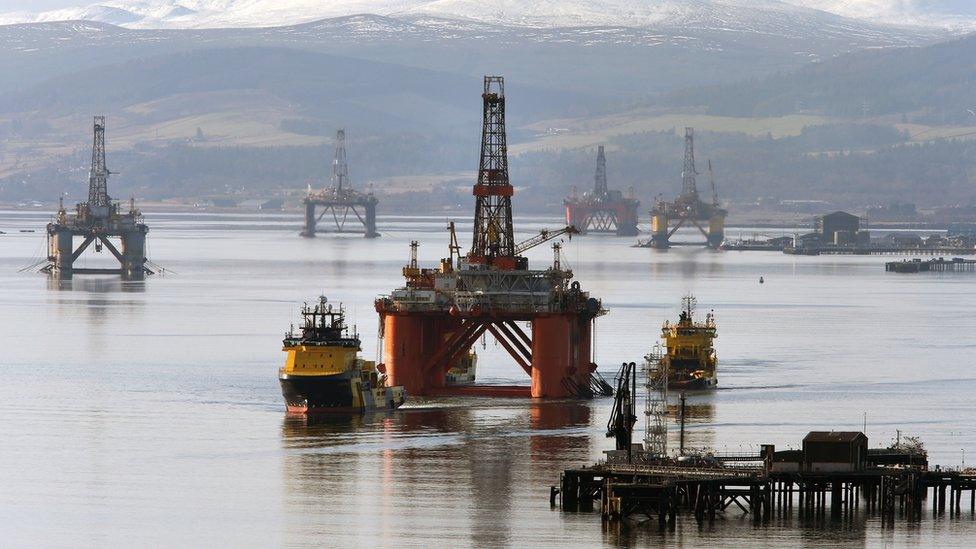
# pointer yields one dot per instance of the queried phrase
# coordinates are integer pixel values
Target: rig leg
(134, 254)
(659, 231)
(404, 353)
(370, 220)
(627, 220)
(550, 356)
(62, 244)
(410, 343)
(716, 231)
(309, 230)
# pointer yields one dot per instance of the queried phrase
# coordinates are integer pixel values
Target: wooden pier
(666, 493)
(876, 249)
(956, 264)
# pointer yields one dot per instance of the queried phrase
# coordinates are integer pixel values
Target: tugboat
(689, 359)
(463, 372)
(323, 372)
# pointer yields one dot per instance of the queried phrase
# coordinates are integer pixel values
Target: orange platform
(420, 347)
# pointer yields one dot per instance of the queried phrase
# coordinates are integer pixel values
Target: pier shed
(837, 222)
(834, 451)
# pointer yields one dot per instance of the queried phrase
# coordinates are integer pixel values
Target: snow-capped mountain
(531, 13)
(945, 13)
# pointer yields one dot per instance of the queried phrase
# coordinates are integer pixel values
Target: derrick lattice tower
(656, 403)
(689, 187)
(340, 170)
(494, 238)
(600, 178)
(98, 176)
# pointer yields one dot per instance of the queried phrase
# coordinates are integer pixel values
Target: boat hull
(336, 394)
(698, 384)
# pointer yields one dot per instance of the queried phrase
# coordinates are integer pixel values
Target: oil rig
(340, 199)
(430, 323)
(688, 207)
(96, 221)
(602, 210)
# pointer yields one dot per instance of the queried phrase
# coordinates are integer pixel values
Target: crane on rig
(544, 236)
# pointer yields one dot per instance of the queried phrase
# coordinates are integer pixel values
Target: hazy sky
(959, 6)
(39, 5)
(34, 5)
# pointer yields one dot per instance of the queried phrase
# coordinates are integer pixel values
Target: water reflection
(99, 284)
(690, 262)
(463, 465)
(314, 431)
(699, 422)
(558, 428)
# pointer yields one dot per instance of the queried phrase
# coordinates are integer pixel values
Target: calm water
(148, 413)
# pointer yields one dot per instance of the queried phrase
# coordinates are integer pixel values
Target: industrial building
(841, 229)
(834, 451)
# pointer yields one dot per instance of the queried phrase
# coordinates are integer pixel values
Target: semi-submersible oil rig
(668, 217)
(602, 210)
(96, 221)
(429, 324)
(340, 200)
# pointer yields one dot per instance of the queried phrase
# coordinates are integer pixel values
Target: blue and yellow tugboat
(323, 371)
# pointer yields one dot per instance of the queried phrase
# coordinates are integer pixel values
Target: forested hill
(933, 84)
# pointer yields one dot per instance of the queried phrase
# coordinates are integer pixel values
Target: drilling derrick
(602, 210)
(668, 217)
(494, 236)
(600, 178)
(98, 176)
(429, 325)
(96, 222)
(340, 199)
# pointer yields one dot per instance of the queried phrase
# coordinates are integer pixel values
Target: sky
(855, 8)
(37, 5)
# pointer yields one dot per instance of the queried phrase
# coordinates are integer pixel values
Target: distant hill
(371, 95)
(206, 112)
(931, 84)
(621, 62)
